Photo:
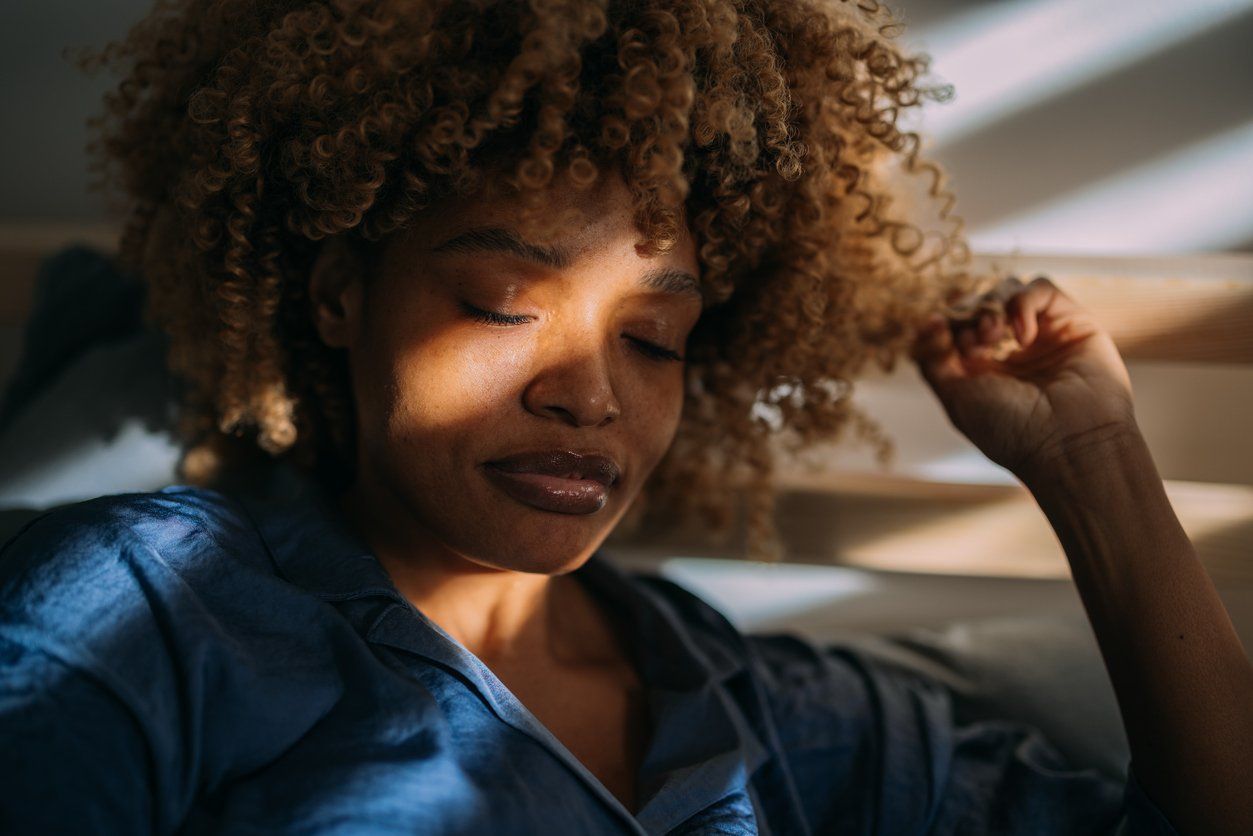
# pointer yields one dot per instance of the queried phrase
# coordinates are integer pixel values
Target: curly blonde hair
(244, 135)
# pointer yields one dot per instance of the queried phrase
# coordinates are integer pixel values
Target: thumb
(935, 353)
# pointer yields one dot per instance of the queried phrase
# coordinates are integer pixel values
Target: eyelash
(649, 350)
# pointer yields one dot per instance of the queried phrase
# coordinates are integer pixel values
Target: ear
(336, 294)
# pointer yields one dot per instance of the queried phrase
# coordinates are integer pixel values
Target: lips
(560, 481)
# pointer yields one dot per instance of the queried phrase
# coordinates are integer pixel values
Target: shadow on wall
(1123, 91)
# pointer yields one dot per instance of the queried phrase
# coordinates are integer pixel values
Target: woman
(481, 281)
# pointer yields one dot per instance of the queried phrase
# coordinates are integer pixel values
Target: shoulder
(170, 601)
(172, 527)
(168, 517)
(158, 618)
(783, 659)
(79, 578)
(779, 659)
(815, 690)
(695, 611)
(776, 662)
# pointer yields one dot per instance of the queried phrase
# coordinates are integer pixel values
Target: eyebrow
(499, 239)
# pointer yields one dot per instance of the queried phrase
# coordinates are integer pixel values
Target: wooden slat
(1175, 308)
(49, 236)
(1194, 417)
(907, 525)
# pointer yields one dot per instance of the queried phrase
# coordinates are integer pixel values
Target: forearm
(1183, 680)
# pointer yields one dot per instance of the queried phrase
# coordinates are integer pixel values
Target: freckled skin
(438, 393)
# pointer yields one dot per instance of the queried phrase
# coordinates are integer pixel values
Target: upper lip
(564, 463)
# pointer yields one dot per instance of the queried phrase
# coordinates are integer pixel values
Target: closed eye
(655, 351)
(491, 316)
(650, 350)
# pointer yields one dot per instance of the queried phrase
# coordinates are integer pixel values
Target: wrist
(1077, 460)
(1108, 506)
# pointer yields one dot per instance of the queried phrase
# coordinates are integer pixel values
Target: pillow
(90, 408)
(103, 425)
(79, 300)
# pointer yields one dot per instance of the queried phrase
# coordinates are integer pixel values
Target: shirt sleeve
(874, 748)
(91, 734)
(74, 759)
(149, 657)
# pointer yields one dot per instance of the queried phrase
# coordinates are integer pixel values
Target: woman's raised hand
(1061, 389)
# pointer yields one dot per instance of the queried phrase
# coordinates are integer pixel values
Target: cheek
(442, 388)
(431, 393)
(657, 408)
(421, 378)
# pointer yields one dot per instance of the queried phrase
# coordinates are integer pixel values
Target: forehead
(587, 216)
(662, 277)
(477, 224)
(578, 219)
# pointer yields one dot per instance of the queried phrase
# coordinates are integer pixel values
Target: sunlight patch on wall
(1010, 56)
(1196, 199)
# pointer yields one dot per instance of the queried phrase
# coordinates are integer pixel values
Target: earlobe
(334, 294)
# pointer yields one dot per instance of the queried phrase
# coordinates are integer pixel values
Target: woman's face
(579, 363)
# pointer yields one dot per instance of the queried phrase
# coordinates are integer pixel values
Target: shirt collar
(683, 659)
(313, 547)
(309, 540)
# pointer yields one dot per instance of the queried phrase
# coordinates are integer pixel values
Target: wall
(1121, 127)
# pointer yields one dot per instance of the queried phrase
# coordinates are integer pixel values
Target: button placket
(407, 629)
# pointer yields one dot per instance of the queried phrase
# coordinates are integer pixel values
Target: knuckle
(1011, 284)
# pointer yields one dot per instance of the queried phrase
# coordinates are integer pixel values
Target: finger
(978, 350)
(1005, 290)
(991, 326)
(936, 354)
(965, 339)
(1026, 307)
(931, 338)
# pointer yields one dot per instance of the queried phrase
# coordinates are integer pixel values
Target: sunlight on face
(473, 348)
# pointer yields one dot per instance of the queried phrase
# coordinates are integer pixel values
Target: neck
(497, 614)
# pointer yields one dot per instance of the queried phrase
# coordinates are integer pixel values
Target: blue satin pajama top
(198, 661)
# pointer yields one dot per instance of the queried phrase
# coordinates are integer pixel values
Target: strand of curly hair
(244, 136)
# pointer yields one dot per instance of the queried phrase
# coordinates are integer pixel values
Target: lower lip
(551, 493)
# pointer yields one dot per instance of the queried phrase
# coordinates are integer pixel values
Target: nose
(576, 389)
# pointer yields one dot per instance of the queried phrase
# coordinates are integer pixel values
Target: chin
(534, 541)
(552, 562)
